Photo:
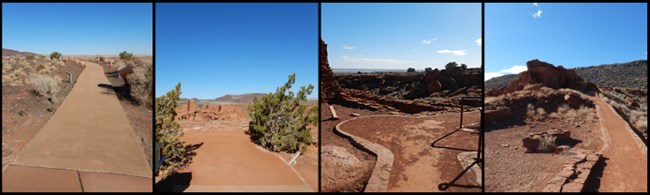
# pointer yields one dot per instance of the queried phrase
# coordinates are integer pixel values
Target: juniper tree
(279, 120)
(168, 132)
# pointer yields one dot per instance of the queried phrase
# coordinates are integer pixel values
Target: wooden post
(334, 115)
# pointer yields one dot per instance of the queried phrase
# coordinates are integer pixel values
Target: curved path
(88, 143)
(626, 168)
(380, 176)
(227, 161)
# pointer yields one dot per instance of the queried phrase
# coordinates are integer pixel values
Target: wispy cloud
(428, 41)
(348, 47)
(537, 14)
(479, 41)
(490, 75)
(535, 4)
(512, 70)
(376, 61)
(454, 52)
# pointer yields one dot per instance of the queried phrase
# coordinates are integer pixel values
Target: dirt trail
(229, 161)
(89, 132)
(626, 168)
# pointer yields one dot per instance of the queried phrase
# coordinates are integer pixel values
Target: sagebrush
(141, 84)
(279, 120)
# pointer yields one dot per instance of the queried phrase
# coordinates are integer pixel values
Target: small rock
(22, 113)
(50, 109)
(355, 114)
(505, 145)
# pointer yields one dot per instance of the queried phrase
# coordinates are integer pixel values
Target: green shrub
(410, 70)
(126, 56)
(279, 121)
(428, 69)
(55, 55)
(30, 57)
(168, 132)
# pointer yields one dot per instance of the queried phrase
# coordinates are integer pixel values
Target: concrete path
(89, 133)
(626, 168)
(228, 161)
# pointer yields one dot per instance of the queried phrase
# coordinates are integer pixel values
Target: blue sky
(219, 49)
(572, 35)
(401, 35)
(75, 28)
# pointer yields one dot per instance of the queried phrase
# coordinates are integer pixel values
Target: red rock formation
(329, 88)
(540, 72)
(208, 112)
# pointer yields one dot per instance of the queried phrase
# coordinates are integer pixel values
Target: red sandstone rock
(540, 72)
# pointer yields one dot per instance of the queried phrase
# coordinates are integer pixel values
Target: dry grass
(45, 85)
(547, 144)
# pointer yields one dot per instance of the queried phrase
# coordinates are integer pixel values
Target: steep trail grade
(88, 133)
(626, 168)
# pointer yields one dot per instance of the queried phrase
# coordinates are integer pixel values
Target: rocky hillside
(626, 75)
(11, 52)
(243, 98)
(548, 75)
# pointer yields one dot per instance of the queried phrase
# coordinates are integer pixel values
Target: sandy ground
(227, 160)
(89, 132)
(419, 167)
(626, 164)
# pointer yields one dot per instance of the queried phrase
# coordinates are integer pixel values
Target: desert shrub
(451, 65)
(547, 144)
(102, 59)
(642, 124)
(530, 111)
(44, 85)
(141, 84)
(541, 112)
(279, 121)
(410, 70)
(30, 57)
(428, 69)
(168, 132)
(126, 56)
(55, 55)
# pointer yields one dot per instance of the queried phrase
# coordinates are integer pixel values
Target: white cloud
(428, 41)
(454, 52)
(348, 47)
(479, 41)
(535, 4)
(375, 61)
(514, 70)
(537, 14)
(490, 75)
(511, 70)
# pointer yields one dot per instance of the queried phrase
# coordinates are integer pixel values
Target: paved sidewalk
(89, 134)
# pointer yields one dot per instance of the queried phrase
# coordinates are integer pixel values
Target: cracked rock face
(339, 168)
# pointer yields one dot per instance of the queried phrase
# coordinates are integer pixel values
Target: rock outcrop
(193, 112)
(536, 142)
(329, 88)
(546, 74)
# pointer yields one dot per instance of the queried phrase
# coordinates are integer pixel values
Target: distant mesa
(243, 98)
(228, 99)
(11, 52)
(548, 75)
